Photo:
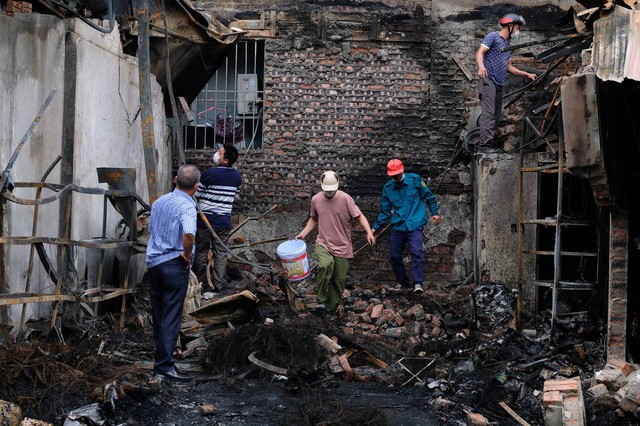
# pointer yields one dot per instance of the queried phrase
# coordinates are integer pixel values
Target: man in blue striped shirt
(216, 194)
(172, 229)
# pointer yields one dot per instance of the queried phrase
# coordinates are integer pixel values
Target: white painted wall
(32, 52)
(32, 48)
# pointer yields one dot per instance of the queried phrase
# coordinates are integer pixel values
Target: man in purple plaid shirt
(172, 230)
(493, 66)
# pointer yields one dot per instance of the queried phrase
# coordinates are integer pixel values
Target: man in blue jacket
(404, 201)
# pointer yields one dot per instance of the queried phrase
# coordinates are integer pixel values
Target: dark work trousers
(168, 284)
(204, 242)
(491, 105)
(414, 240)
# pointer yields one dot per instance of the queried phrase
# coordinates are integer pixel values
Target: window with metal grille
(229, 108)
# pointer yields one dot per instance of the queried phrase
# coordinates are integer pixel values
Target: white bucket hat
(329, 181)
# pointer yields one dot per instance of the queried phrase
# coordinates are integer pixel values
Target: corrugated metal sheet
(616, 45)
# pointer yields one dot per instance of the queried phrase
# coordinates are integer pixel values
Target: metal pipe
(34, 229)
(257, 243)
(557, 247)
(244, 222)
(63, 191)
(476, 262)
(520, 237)
(235, 256)
(146, 110)
(172, 97)
(101, 267)
(125, 287)
(23, 141)
(63, 261)
(548, 40)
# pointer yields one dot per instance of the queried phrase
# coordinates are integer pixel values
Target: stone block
(623, 366)
(476, 419)
(376, 312)
(32, 422)
(10, 413)
(395, 332)
(360, 306)
(551, 398)
(611, 376)
(417, 312)
(563, 386)
(563, 403)
(631, 394)
(344, 363)
(597, 390)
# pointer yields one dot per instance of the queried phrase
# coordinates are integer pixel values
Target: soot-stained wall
(347, 87)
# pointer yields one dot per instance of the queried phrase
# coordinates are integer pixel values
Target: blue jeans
(168, 284)
(414, 240)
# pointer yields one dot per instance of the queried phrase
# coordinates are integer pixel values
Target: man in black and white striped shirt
(217, 191)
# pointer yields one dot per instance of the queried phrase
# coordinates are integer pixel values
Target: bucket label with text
(295, 268)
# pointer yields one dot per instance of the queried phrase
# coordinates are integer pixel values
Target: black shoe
(486, 149)
(173, 375)
(184, 373)
(226, 287)
(318, 308)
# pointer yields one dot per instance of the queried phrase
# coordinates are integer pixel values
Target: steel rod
(557, 245)
(34, 229)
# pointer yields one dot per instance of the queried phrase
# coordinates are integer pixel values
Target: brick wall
(350, 106)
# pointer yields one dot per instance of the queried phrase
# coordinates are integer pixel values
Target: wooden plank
(513, 414)
(266, 366)
(377, 361)
(95, 243)
(19, 298)
(186, 109)
(464, 69)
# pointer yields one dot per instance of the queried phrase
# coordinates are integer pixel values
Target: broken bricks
(562, 403)
(476, 419)
(614, 374)
(10, 413)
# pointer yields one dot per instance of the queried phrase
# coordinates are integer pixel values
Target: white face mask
(515, 35)
(216, 157)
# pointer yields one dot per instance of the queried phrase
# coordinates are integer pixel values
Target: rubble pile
(42, 379)
(454, 350)
(616, 387)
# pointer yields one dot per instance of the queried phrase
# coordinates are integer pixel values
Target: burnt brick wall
(347, 107)
(350, 106)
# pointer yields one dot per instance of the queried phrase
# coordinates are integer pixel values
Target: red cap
(394, 167)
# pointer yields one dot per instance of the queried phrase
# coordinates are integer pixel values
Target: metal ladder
(557, 284)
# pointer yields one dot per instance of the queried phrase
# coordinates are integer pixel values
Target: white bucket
(293, 255)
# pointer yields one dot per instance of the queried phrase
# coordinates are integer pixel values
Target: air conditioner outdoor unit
(247, 94)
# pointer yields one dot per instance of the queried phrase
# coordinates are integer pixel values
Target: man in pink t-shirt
(332, 210)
